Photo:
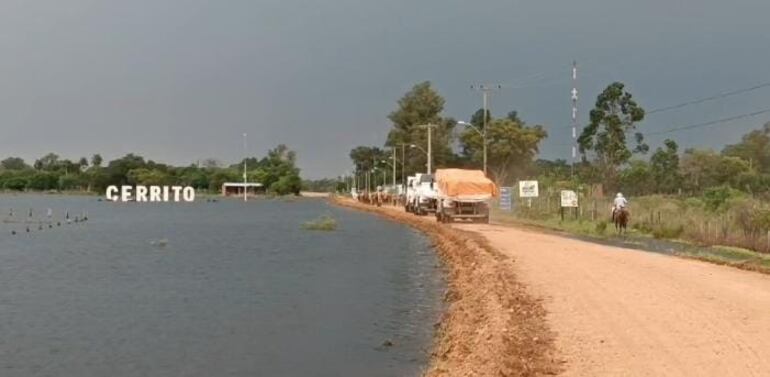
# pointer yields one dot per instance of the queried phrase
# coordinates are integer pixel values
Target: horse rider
(619, 204)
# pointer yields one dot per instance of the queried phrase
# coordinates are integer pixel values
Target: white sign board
(528, 189)
(569, 198)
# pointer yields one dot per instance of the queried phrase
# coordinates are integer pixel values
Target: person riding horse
(620, 213)
(619, 204)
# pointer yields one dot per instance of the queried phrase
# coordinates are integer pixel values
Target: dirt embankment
(493, 326)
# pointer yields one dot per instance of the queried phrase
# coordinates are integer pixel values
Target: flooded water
(212, 289)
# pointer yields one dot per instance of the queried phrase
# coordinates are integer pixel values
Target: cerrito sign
(155, 194)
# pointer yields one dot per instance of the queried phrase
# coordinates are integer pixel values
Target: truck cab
(424, 200)
(410, 193)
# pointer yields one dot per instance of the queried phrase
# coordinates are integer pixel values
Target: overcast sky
(181, 80)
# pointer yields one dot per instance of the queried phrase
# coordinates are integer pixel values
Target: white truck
(410, 193)
(425, 194)
(463, 194)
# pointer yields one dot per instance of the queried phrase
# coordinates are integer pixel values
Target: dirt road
(618, 312)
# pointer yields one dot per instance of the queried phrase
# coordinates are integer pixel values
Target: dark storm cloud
(182, 80)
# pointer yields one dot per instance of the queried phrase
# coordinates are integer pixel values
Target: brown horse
(620, 218)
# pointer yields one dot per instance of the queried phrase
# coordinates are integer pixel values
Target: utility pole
(394, 168)
(485, 90)
(430, 155)
(403, 165)
(574, 117)
(245, 179)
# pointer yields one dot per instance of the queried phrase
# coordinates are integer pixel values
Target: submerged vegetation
(277, 172)
(323, 223)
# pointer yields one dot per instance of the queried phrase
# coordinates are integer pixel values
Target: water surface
(237, 290)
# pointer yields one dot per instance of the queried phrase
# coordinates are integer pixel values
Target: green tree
(613, 117)
(753, 148)
(69, 182)
(42, 181)
(219, 176)
(557, 170)
(511, 146)
(96, 160)
(14, 163)
(287, 185)
(637, 178)
(16, 184)
(420, 106)
(665, 168)
(83, 163)
(702, 169)
(366, 158)
(47, 162)
(148, 177)
(117, 170)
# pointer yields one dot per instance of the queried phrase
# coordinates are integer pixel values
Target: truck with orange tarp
(463, 194)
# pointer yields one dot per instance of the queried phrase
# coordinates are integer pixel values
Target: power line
(710, 123)
(710, 98)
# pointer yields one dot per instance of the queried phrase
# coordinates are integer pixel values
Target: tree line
(511, 143)
(277, 171)
(613, 151)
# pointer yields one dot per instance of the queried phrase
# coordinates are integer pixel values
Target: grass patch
(323, 223)
(732, 256)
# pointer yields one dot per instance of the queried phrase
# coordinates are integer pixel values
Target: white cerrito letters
(152, 194)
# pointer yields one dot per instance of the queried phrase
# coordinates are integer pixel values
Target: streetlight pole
(485, 90)
(245, 179)
(393, 165)
(483, 140)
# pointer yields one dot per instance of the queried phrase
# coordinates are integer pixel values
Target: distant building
(237, 188)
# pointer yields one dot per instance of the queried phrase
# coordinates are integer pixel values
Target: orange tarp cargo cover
(464, 183)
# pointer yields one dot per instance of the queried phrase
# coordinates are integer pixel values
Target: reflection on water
(212, 289)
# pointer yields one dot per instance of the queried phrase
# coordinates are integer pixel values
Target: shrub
(662, 231)
(716, 198)
(324, 223)
(601, 226)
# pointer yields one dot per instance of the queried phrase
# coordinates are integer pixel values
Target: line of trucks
(451, 194)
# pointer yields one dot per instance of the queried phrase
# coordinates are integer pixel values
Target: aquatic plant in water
(324, 223)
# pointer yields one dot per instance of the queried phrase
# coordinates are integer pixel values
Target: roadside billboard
(528, 189)
(569, 198)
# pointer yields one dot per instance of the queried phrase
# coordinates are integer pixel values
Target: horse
(620, 218)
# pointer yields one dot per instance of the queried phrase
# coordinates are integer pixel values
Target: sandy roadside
(621, 312)
(493, 325)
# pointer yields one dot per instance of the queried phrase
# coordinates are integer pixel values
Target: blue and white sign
(506, 198)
